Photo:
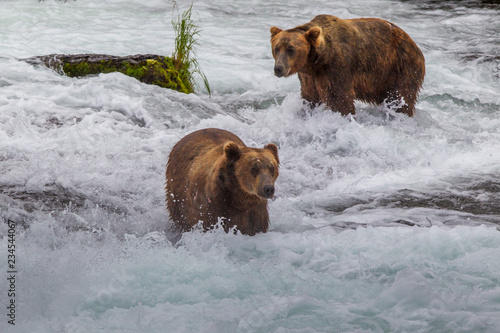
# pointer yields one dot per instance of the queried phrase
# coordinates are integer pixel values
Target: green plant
(151, 69)
(185, 48)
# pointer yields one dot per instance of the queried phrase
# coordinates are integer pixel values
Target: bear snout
(278, 70)
(268, 191)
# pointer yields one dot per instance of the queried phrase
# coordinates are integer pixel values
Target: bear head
(255, 169)
(291, 48)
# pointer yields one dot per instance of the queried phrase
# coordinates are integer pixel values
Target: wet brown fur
(339, 61)
(212, 174)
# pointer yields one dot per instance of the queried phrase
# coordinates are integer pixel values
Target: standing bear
(338, 61)
(211, 175)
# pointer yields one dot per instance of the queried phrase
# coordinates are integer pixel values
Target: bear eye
(271, 169)
(276, 49)
(290, 51)
(255, 171)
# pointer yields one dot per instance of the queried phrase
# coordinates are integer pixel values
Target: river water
(381, 223)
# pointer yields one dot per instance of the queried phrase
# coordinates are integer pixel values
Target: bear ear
(274, 149)
(232, 151)
(314, 37)
(275, 31)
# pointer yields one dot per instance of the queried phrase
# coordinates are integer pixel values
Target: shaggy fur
(211, 175)
(338, 61)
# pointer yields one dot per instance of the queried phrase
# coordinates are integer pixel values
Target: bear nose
(268, 191)
(278, 71)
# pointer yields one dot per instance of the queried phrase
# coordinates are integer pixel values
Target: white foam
(82, 163)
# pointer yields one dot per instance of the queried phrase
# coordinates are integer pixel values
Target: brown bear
(211, 175)
(338, 61)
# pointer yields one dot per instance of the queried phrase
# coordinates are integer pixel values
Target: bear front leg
(341, 100)
(308, 89)
(337, 94)
(342, 103)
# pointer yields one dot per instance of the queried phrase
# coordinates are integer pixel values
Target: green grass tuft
(185, 48)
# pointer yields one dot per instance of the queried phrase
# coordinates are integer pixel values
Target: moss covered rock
(147, 68)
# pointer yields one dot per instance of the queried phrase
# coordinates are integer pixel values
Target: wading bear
(339, 61)
(211, 175)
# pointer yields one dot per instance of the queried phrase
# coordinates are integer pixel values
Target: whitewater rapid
(380, 223)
